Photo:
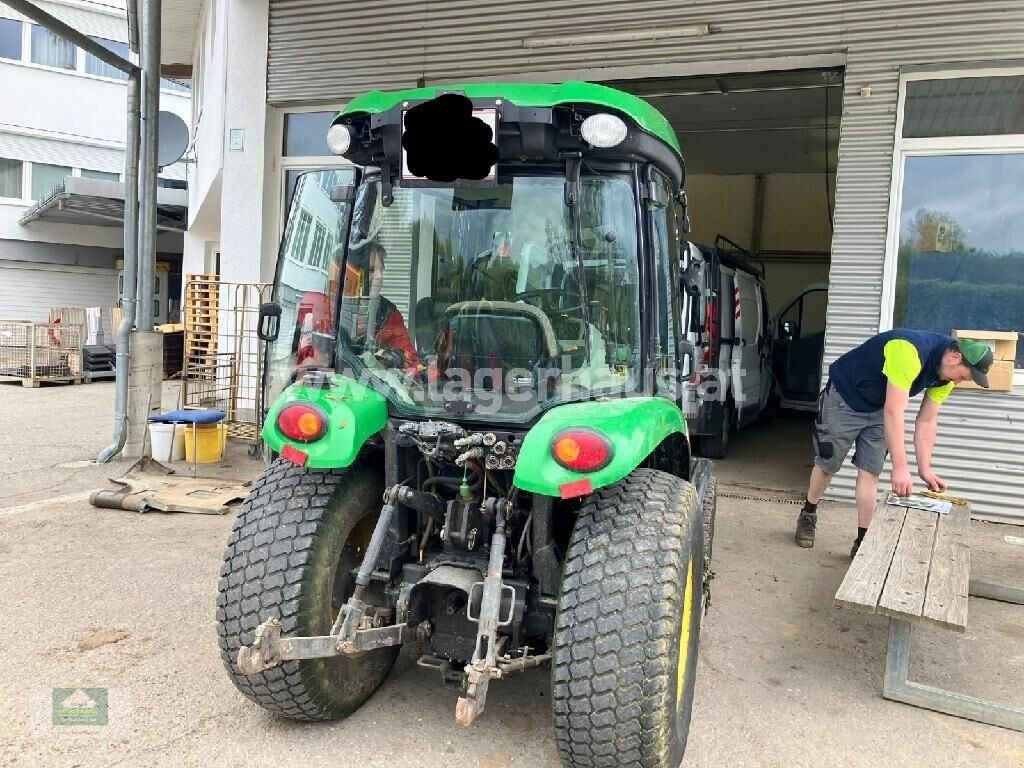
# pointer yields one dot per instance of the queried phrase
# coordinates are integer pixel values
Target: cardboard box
(1000, 378)
(1002, 343)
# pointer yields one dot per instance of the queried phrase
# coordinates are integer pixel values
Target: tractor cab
(549, 280)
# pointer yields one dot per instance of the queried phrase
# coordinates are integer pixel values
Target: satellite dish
(173, 139)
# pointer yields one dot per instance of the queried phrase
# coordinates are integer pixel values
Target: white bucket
(167, 441)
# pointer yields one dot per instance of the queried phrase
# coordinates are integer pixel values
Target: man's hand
(933, 481)
(902, 484)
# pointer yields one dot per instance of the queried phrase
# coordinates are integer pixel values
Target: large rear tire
(628, 625)
(282, 559)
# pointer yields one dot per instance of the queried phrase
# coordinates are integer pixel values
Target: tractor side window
(665, 240)
(309, 277)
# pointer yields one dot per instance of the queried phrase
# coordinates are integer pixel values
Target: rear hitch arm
(484, 664)
(271, 648)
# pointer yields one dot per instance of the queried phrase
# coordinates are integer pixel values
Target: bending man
(864, 401)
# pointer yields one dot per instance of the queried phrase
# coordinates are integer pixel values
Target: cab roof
(571, 92)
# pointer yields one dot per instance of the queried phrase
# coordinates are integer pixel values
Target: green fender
(354, 414)
(634, 426)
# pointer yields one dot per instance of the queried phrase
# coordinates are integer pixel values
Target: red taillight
(302, 423)
(581, 450)
(710, 330)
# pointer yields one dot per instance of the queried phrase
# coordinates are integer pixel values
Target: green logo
(79, 706)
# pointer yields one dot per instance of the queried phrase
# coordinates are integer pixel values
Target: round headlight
(603, 130)
(339, 138)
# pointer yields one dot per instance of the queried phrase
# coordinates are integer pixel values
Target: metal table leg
(1000, 592)
(898, 688)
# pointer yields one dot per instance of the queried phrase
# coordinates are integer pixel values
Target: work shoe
(805, 525)
(856, 546)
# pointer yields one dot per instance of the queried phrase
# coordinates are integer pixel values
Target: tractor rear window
(475, 295)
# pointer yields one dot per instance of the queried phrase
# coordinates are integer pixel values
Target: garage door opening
(761, 152)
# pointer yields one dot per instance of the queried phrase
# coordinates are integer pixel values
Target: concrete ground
(100, 598)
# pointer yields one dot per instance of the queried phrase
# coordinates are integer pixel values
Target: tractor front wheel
(298, 536)
(628, 624)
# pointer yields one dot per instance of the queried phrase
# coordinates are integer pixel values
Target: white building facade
(63, 115)
(918, 122)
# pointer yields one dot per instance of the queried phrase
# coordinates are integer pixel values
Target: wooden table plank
(866, 575)
(904, 591)
(945, 601)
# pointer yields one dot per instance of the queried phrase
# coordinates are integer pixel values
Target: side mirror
(788, 332)
(269, 324)
(686, 351)
(688, 280)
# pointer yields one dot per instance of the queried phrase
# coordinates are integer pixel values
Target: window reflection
(961, 247)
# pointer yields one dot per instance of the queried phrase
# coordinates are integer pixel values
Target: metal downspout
(131, 254)
(150, 61)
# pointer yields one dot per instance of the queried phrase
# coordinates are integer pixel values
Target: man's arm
(926, 427)
(902, 365)
(896, 400)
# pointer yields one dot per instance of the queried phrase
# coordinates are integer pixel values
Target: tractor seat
(502, 334)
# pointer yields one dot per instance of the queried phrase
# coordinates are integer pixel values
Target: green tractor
(475, 368)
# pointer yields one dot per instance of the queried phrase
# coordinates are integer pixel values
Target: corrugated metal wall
(323, 51)
(979, 448)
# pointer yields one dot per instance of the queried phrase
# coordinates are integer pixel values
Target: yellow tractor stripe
(684, 634)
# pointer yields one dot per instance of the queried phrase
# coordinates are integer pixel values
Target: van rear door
(747, 359)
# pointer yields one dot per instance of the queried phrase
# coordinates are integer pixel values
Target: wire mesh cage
(223, 357)
(35, 352)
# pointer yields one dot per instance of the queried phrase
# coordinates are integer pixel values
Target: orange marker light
(567, 450)
(309, 424)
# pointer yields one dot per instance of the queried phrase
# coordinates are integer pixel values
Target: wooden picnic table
(914, 567)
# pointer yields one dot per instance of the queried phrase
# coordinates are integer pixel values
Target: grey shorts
(838, 427)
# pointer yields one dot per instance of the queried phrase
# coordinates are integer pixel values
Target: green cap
(977, 357)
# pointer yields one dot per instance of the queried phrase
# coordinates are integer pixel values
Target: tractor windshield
(471, 302)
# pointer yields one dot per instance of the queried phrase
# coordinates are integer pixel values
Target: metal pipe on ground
(128, 289)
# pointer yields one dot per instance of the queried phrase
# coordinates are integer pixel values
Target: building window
(101, 175)
(961, 244)
(46, 177)
(957, 251)
(94, 66)
(171, 85)
(317, 256)
(10, 178)
(50, 50)
(964, 106)
(10, 39)
(305, 133)
(302, 236)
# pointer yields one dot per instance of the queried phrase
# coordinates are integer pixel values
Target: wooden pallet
(202, 305)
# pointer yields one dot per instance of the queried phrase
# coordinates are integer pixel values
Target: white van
(730, 328)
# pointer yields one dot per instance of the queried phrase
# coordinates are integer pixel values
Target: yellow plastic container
(210, 440)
